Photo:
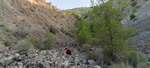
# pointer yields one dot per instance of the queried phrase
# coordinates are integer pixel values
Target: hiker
(68, 51)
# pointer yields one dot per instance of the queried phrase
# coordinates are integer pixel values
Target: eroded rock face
(45, 59)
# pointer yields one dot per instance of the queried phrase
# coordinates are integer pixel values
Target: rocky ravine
(142, 24)
(44, 59)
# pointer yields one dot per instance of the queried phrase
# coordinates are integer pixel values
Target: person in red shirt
(68, 51)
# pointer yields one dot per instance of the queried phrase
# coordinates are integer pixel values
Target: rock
(2, 46)
(66, 63)
(91, 62)
(20, 65)
(97, 66)
(6, 60)
(45, 65)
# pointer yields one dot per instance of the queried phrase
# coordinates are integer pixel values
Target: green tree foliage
(83, 33)
(49, 43)
(132, 16)
(108, 32)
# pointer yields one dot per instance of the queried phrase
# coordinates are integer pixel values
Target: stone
(6, 60)
(97, 66)
(2, 46)
(20, 65)
(66, 64)
(91, 62)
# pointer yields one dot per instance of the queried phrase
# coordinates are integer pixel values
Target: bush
(132, 16)
(36, 42)
(7, 30)
(62, 30)
(137, 57)
(90, 55)
(133, 3)
(20, 31)
(143, 65)
(49, 43)
(85, 47)
(23, 45)
(7, 42)
(53, 30)
(134, 10)
(121, 65)
(69, 34)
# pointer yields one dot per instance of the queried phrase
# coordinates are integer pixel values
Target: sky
(69, 4)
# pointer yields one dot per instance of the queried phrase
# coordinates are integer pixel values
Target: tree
(108, 32)
(84, 33)
(49, 42)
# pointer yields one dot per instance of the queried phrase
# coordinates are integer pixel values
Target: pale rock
(97, 66)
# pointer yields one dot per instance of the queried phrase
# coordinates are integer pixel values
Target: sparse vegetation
(134, 10)
(23, 45)
(7, 30)
(69, 34)
(133, 3)
(7, 42)
(62, 16)
(21, 31)
(36, 42)
(62, 30)
(53, 30)
(121, 65)
(90, 55)
(49, 42)
(136, 58)
(132, 16)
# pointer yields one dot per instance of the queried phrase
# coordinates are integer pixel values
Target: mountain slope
(142, 24)
(25, 19)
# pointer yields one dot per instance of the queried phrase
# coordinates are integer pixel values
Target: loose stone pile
(44, 59)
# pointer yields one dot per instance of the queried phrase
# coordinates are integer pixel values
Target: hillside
(21, 20)
(141, 23)
(83, 10)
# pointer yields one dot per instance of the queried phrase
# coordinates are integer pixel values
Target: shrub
(20, 31)
(121, 65)
(132, 16)
(134, 10)
(85, 47)
(53, 30)
(62, 30)
(133, 3)
(49, 43)
(69, 34)
(90, 55)
(143, 65)
(23, 45)
(62, 16)
(136, 57)
(7, 42)
(7, 30)
(36, 42)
